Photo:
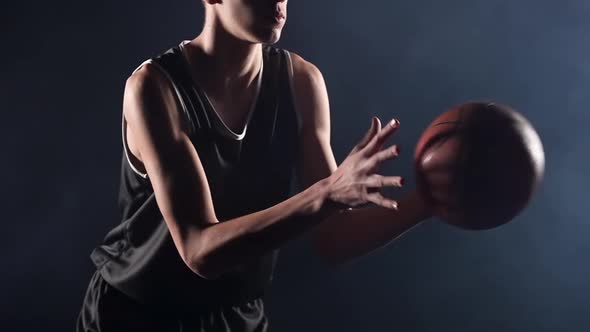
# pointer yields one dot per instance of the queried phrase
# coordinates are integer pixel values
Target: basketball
(478, 165)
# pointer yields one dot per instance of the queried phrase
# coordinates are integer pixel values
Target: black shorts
(106, 309)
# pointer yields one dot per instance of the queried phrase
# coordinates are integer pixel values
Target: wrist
(324, 202)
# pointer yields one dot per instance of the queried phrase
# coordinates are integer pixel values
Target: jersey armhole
(292, 89)
(126, 149)
(179, 98)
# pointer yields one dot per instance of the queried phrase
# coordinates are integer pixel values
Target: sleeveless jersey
(246, 172)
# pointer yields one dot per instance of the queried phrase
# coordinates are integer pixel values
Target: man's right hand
(355, 181)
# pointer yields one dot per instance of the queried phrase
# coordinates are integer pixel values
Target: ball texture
(479, 164)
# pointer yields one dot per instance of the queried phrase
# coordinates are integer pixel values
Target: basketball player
(213, 130)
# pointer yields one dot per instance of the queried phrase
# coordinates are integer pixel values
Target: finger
(378, 140)
(378, 199)
(380, 181)
(386, 154)
(389, 153)
(375, 128)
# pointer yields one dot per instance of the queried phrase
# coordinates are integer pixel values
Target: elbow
(192, 250)
(201, 267)
(198, 263)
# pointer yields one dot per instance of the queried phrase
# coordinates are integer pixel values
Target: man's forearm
(225, 245)
(348, 234)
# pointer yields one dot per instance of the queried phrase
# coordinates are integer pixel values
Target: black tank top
(247, 172)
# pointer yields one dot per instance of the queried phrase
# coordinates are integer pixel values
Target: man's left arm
(349, 233)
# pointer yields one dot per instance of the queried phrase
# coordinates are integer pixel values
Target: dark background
(64, 64)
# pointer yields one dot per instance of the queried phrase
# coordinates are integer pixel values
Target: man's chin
(273, 40)
(270, 36)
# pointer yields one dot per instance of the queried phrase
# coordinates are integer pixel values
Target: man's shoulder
(307, 77)
(310, 94)
(161, 62)
(303, 69)
(146, 77)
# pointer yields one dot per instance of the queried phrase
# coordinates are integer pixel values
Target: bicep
(316, 160)
(171, 161)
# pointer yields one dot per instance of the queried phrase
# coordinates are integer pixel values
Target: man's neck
(223, 62)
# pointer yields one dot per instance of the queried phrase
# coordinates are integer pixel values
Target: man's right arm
(207, 246)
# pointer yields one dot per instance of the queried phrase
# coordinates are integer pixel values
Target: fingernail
(394, 122)
(394, 205)
(401, 181)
